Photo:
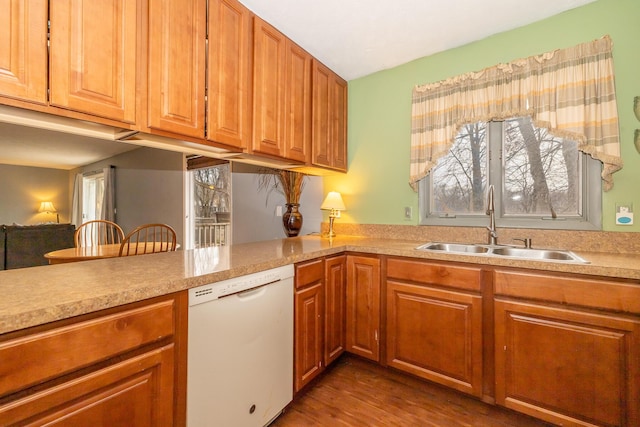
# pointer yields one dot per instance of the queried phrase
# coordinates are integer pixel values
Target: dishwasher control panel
(217, 290)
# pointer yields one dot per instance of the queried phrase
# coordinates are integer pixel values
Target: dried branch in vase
(286, 182)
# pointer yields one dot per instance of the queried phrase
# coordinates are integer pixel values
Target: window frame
(92, 195)
(591, 188)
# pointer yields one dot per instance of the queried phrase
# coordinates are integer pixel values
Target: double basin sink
(503, 251)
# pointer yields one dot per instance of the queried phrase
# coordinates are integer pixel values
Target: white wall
(253, 216)
(149, 188)
(22, 188)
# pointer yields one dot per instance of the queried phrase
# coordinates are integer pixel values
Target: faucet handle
(526, 241)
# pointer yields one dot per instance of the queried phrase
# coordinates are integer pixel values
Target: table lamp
(333, 203)
(47, 207)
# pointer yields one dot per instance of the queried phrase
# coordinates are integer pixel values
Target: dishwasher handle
(250, 293)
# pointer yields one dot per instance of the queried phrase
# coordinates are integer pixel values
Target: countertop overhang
(39, 295)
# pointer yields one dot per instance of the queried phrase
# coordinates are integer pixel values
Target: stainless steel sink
(454, 247)
(504, 252)
(542, 254)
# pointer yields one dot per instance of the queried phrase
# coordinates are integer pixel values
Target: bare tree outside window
(212, 204)
(459, 178)
(211, 191)
(540, 173)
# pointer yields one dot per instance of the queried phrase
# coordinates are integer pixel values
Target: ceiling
(28, 146)
(359, 37)
(353, 37)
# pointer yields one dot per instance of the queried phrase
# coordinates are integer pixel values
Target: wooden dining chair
(149, 239)
(97, 232)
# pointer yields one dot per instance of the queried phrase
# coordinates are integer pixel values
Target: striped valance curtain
(569, 91)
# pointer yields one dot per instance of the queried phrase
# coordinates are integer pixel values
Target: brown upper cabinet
(91, 65)
(23, 61)
(329, 147)
(93, 57)
(268, 85)
(297, 103)
(229, 73)
(281, 95)
(179, 64)
(177, 43)
(207, 71)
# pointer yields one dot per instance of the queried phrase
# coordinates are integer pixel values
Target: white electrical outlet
(278, 210)
(408, 212)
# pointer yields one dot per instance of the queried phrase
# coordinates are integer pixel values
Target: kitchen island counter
(39, 295)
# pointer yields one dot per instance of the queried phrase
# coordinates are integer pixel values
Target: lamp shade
(46, 207)
(333, 201)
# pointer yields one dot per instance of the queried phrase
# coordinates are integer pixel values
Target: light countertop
(39, 295)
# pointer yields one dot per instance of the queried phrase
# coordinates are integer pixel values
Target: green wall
(376, 188)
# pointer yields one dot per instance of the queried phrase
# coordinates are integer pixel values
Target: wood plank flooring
(356, 392)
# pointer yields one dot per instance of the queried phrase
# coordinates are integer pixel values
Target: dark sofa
(25, 245)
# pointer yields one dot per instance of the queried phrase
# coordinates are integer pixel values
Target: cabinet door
(297, 103)
(176, 93)
(308, 334)
(23, 58)
(268, 89)
(435, 334)
(567, 367)
(335, 308)
(339, 123)
(229, 73)
(135, 392)
(329, 112)
(363, 306)
(321, 132)
(93, 57)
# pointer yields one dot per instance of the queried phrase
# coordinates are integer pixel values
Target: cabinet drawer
(579, 291)
(39, 357)
(454, 276)
(104, 396)
(309, 273)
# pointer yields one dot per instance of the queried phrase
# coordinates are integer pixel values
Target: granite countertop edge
(39, 295)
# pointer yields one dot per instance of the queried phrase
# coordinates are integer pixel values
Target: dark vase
(292, 220)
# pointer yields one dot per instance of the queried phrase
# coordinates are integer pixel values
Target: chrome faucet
(492, 236)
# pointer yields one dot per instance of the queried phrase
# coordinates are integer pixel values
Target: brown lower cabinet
(560, 356)
(319, 311)
(335, 270)
(563, 348)
(434, 322)
(119, 367)
(559, 347)
(363, 306)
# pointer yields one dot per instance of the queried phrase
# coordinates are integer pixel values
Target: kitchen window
(540, 180)
(207, 202)
(92, 196)
(542, 130)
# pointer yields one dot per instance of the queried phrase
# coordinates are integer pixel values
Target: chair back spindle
(98, 232)
(149, 239)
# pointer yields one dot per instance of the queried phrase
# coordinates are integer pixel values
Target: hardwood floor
(356, 392)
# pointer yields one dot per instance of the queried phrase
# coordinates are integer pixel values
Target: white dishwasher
(240, 351)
